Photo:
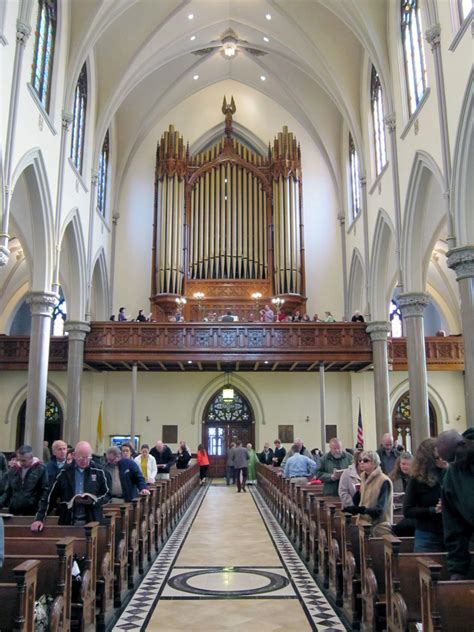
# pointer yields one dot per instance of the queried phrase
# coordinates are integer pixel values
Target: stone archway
(401, 421)
(53, 422)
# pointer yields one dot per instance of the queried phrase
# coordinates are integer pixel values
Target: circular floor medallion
(231, 581)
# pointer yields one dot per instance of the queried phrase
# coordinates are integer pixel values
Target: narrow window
(44, 50)
(79, 120)
(413, 52)
(464, 8)
(102, 175)
(376, 101)
(396, 319)
(355, 179)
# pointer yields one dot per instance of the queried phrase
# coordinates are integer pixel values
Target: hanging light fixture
(228, 391)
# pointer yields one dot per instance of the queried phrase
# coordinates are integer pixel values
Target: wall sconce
(147, 419)
(278, 302)
(307, 419)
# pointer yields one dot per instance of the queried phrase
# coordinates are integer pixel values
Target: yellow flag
(100, 432)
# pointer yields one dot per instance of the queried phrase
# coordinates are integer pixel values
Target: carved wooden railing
(346, 346)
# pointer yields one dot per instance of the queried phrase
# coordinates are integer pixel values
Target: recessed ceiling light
(190, 361)
(192, 38)
(262, 77)
(191, 16)
(265, 39)
(266, 362)
(268, 16)
(195, 77)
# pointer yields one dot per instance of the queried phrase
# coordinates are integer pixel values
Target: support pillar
(378, 331)
(42, 305)
(391, 124)
(322, 405)
(412, 306)
(77, 331)
(461, 260)
(133, 416)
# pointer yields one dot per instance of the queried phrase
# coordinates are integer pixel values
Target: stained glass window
(376, 101)
(79, 120)
(102, 175)
(44, 50)
(413, 52)
(396, 319)
(236, 410)
(355, 179)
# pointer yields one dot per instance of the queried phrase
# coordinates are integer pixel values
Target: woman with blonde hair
(374, 505)
(400, 475)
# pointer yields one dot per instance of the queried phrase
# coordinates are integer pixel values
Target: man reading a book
(78, 492)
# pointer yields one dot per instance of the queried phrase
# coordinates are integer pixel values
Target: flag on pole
(100, 433)
(360, 429)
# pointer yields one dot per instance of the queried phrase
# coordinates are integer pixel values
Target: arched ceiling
(311, 53)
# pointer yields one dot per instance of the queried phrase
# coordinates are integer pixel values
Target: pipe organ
(227, 223)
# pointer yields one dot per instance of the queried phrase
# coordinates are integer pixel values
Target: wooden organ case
(228, 224)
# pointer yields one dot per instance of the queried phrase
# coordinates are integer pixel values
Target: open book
(74, 499)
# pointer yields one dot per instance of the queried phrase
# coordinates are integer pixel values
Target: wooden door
(217, 438)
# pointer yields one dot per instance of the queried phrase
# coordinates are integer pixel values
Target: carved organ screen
(228, 214)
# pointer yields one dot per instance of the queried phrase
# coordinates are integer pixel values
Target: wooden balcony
(234, 347)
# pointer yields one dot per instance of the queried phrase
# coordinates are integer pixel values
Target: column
(133, 415)
(367, 308)
(77, 331)
(412, 306)
(461, 260)
(391, 124)
(322, 405)
(378, 331)
(42, 305)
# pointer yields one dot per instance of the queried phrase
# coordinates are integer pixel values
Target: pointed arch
(462, 188)
(424, 217)
(357, 299)
(32, 210)
(72, 266)
(98, 299)
(383, 267)
(239, 131)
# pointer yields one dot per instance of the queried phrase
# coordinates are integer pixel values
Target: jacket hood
(35, 464)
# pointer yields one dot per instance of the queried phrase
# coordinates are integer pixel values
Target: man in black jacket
(266, 455)
(78, 492)
(125, 477)
(164, 460)
(26, 484)
(278, 454)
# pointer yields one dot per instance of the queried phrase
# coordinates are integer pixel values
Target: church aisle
(228, 564)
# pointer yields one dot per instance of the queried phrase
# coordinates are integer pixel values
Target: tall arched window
(44, 50)
(464, 8)
(376, 101)
(396, 321)
(355, 179)
(414, 55)
(79, 120)
(102, 175)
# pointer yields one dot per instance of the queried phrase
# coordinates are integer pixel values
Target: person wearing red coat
(203, 462)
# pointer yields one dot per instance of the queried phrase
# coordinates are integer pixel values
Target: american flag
(360, 430)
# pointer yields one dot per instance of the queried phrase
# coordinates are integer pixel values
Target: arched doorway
(226, 420)
(401, 421)
(53, 422)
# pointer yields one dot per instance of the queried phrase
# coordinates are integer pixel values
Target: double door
(217, 438)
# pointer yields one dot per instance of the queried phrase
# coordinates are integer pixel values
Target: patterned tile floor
(230, 564)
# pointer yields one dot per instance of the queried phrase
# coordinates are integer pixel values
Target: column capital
(23, 32)
(42, 303)
(390, 121)
(4, 255)
(378, 330)
(66, 120)
(77, 329)
(413, 303)
(461, 260)
(433, 36)
(94, 177)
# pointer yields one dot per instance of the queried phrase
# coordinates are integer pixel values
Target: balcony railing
(232, 346)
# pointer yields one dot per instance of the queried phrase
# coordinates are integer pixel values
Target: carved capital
(413, 303)
(378, 330)
(390, 121)
(461, 260)
(42, 303)
(433, 36)
(66, 120)
(77, 329)
(23, 32)
(94, 178)
(4, 256)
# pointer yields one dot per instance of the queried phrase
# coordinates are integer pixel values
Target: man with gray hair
(297, 447)
(126, 481)
(387, 453)
(164, 460)
(331, 466)
(26, 484)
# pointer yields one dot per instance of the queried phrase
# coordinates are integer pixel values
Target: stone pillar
(367, 308)
(412, 306)
(322, 405)
(133, 415)
(77, 331)
(461, 260)
(378, 331)
(42, 305)
(391, 124)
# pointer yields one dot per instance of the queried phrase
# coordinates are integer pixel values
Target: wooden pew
(445, 606)
(323, 539)
(334, 520)
(53, 573)
(351, 589)
(85, 546)
(18, 597)
(121, 514)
